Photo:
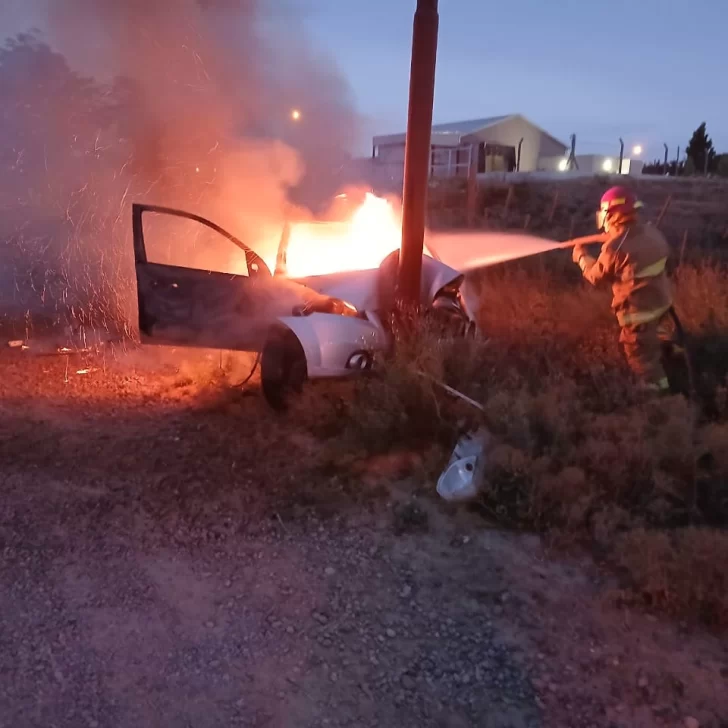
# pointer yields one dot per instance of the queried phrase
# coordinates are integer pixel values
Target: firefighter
(633, 260)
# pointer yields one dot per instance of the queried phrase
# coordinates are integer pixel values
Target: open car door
(231, 307)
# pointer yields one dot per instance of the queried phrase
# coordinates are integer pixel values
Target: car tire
(283, 369)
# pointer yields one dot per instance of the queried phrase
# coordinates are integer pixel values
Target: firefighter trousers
(642, 347)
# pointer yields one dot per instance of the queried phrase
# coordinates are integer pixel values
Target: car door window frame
(255, 264)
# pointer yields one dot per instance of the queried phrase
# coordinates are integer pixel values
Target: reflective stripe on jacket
(641, 317)
(634, 262)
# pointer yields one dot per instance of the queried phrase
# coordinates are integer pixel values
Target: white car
(311, 328)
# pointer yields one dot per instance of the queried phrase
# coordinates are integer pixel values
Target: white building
(495, 144)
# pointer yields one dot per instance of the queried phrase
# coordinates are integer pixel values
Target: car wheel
(283, 369)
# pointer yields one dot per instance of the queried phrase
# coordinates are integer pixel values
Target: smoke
(185, 103)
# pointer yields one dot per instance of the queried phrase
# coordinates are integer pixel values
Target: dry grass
(702, 298)
(682, 572)
(578, 452)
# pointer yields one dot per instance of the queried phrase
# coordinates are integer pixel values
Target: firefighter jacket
(634, 261)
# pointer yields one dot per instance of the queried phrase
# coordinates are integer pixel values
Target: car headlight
(360, 361)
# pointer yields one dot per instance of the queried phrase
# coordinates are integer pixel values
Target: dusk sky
(647, 70)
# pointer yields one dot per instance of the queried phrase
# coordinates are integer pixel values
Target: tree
(700, 150)
(652, 167)
(656, 167)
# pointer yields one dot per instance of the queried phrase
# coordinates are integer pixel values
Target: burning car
(305, 328)
(304, 325)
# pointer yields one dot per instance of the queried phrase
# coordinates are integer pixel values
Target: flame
(361, 243)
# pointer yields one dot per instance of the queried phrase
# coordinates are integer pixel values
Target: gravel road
(172, 557)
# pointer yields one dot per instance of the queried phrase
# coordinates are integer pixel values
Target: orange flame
(361, 243)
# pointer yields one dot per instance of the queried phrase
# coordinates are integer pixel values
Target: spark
(121, 204)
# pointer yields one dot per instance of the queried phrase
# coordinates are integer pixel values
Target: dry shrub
(577, 451)
(543, 325)
(579, 462)
(604, 479)
(681, 572)
(713, 445)
(402, 404)
(584, 457)
(701, 297)
(702, 304)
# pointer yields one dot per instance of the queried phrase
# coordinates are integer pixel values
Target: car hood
(363, 288)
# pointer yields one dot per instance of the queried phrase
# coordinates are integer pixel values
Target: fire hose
(253, 369)
(586, 240)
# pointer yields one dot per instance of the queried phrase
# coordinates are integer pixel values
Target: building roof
(471, 126)
(451, 133)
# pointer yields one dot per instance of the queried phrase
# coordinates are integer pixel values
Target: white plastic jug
(461, 479)
(457, 482)
(471, 443)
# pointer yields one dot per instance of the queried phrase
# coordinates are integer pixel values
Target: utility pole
(677, 162)
(621, 155)
(664, 168)
(417, 150)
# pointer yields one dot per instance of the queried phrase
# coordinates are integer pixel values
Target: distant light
(563, 164)
(295, 114)
(197, 169)
(637, 150)
(607, 165)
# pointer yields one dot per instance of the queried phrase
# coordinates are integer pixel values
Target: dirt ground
(174, 554)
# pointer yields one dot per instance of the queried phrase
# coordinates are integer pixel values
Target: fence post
(471, 197)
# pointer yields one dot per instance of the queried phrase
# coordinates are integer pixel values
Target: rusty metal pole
(417, 150)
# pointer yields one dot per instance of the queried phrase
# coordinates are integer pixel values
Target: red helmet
(617, 205)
